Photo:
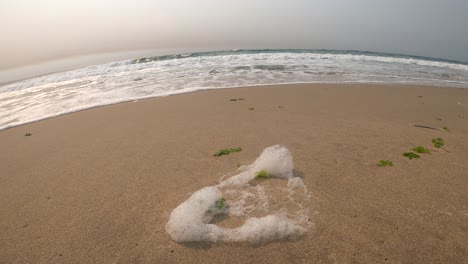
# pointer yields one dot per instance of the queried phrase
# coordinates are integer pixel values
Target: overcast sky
(33, 31)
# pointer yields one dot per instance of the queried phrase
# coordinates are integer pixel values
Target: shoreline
(99, 184)
(243, 87)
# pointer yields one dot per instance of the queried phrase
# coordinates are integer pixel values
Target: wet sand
(97, 186)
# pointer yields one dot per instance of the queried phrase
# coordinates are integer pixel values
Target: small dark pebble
(61, 254)
(386, 259)
(172, 251)
(136, 244)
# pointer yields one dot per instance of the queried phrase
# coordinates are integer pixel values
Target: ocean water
(60, 93)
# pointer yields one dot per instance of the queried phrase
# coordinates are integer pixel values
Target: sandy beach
(98, 186)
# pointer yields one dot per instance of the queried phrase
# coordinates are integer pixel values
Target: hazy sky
(33, 31)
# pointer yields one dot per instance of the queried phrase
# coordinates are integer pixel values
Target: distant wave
(104, 84)
(325, 54)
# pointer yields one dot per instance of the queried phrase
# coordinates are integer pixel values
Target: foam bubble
(191, 220)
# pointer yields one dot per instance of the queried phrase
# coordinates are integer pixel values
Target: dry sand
(98, 186)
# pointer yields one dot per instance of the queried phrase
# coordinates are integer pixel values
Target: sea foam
(191, 220)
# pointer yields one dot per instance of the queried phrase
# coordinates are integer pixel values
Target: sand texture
(98, 186)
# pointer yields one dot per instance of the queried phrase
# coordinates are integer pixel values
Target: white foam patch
(264, 229)
(277, 160)
(191, 220)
